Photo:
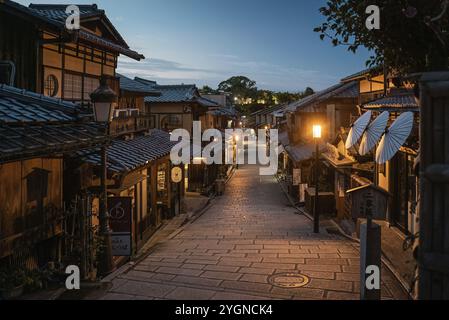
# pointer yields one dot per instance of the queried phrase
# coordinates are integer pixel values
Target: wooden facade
(31, 206)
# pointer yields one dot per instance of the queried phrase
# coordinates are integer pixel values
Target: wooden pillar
(434, 186)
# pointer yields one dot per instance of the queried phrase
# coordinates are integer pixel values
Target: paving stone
(221, 268)
(179, 271)
(348, 276)
(336, 285)
(279, 265)
(338, 295)
(233, 296)
(283, 260)
(184, 293)
(197, 281)
(201, 262)
(257, 278)
(221, 275)
(145, 289)
(246, 286)
(117, 296)
(252, 270)
(299, 293)
(193, 266)
(339, 262)
(247, 235)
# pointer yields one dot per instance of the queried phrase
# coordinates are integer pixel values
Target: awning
(396, 101)
(303, 152)
(128, 155)
(18, 142)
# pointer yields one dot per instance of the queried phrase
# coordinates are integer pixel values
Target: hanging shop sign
(120, 222)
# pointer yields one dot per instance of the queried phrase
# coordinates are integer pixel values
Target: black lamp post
(104, 100)
(316, 215)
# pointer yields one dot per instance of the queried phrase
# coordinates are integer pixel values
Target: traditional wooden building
(45, 57)
(331, 108)
(140, 168)
(177, 106)
(57, 62)
(130, 117)
(269, 117)
(37, 134)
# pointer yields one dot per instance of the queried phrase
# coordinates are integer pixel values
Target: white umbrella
(394, 137)
(373, 133)
(357, 129)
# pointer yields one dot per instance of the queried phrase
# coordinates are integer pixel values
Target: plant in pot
(12, 283)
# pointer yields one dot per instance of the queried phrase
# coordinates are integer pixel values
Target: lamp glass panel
(317, 132)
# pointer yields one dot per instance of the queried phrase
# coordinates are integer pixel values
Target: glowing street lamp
(317, 134)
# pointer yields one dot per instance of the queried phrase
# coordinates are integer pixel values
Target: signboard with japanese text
(296, 177)
(368, 201)
(121, 244)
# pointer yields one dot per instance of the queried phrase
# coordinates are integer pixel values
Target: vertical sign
(120, 222)
(296, 177)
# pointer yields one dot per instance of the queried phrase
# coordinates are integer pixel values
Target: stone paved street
(247, 236)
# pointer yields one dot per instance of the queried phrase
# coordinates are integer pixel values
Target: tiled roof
(125, 156)
(21, 106)
(127, 84)
(206, 102)
(396, 100)
(54, 16)
(302, 152)
(361, 74)
(341, 90)
(34, 125)
(283, 138)
(172, 93)
(269, 110)
(57, 11)
(18, 142)
(223, 112)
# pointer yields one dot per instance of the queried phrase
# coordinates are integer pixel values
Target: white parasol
(357, 129)
(373, 133)
(394, 137)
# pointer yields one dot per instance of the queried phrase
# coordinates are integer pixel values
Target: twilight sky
(207, 41)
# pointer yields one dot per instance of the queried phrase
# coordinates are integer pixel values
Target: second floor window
(73, 85)
(90, 84)
(76, 90)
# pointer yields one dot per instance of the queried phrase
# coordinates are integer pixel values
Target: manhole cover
(289, 280)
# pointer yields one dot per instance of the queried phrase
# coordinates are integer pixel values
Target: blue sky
(207, 41)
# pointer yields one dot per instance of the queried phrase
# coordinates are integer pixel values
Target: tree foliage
(208, 90)
(239, 86)
(408, 41)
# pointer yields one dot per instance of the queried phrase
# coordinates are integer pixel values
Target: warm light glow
(236, 137)
(317, 132)
(266, 127)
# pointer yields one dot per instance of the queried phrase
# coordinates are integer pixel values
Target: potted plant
(12, 283)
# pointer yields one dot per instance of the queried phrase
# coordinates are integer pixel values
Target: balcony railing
(131, 121)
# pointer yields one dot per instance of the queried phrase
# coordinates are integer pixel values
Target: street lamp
(104, 100)
(316, 133)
